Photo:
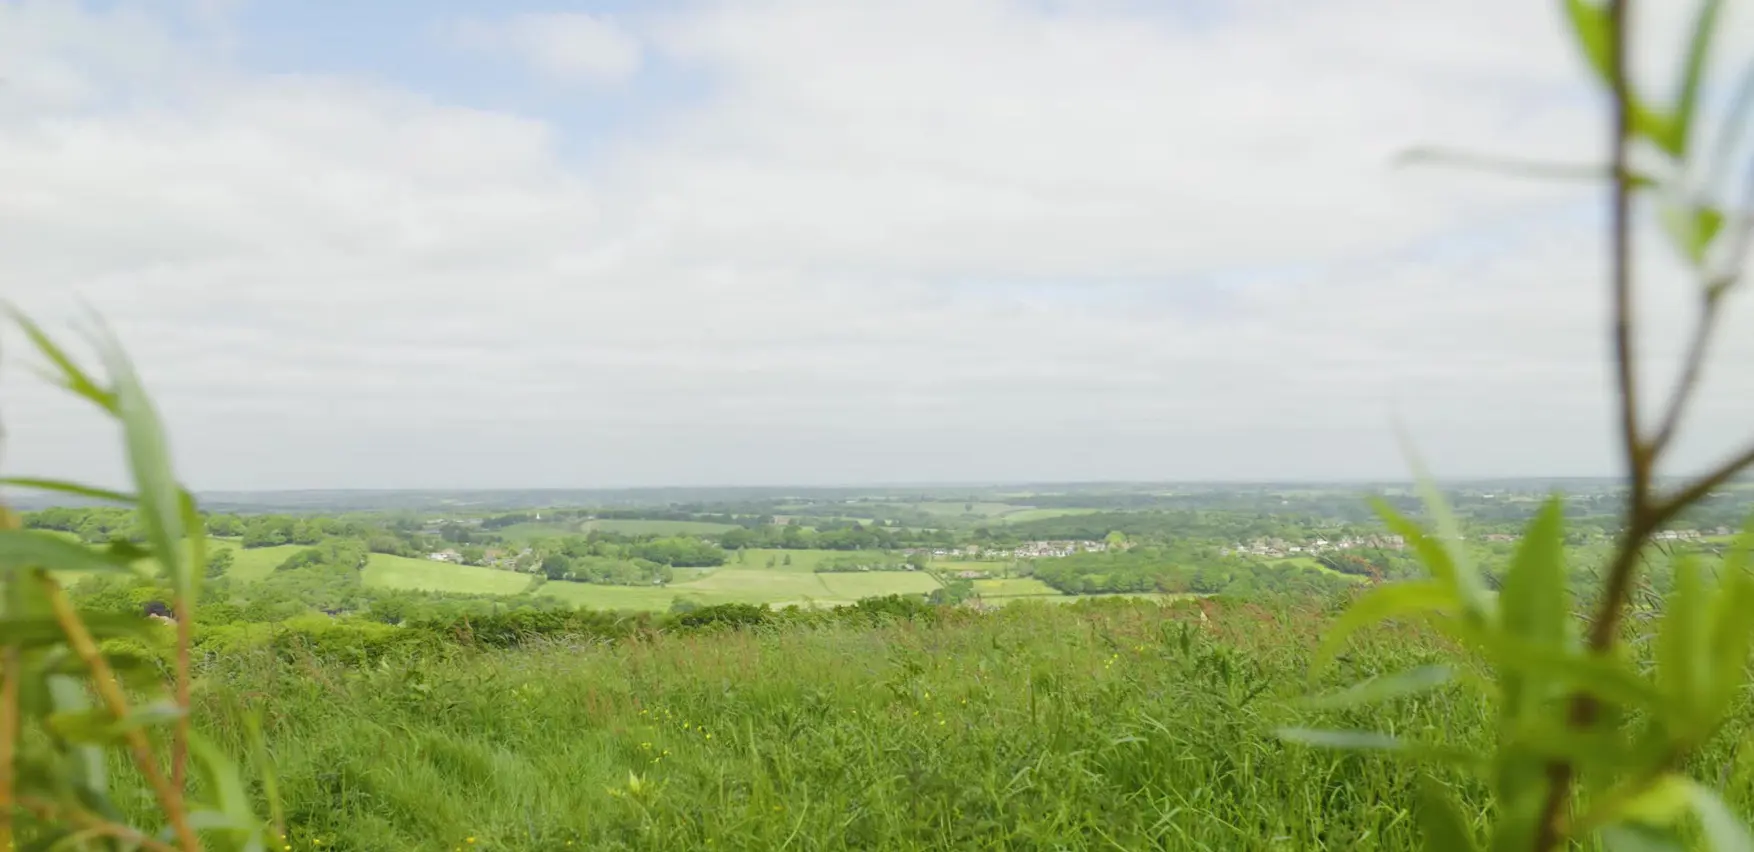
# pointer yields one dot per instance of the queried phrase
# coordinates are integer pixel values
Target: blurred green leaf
(1723, 829)
(265, 767)
(1664, 802)
(1534, 604)
(97, 726)
(1726, 147)
(220, 779)
(1679, 137)
(1606, 677)
(72, 377)
(195, 528)
(1732, 631)
(1517, 167)
(160, 502)
(1534, 601)
(1378, 604)
(87, 770)
(59, 486)
(1593, 29)
(1441, 821)
(1640, 838)
(1691, 227)
(41, 549)
(1469, 586)
(1377, 741)
(1683, 642)
(1384, 688)
(37, 632)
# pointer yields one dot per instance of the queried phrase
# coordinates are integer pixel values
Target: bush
(727, 615)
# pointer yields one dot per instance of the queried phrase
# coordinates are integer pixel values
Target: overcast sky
(485, 244)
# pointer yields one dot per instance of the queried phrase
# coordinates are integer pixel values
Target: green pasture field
(956, 508)
(250, 564)
(750, 582)
(1014, 587)
(1092, 726)
(400, 572)
(533, 530)
(1023, 515)
(654, 527)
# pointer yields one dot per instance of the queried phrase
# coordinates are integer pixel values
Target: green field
(1309, 563)
(594, 596)
(751, 580)
(644, 527)
(401, 572)
(1023, 515)
(250, 564)
(1109, 726)
(533, 530)
(955, 508)
(802, 560)
(1014, 587)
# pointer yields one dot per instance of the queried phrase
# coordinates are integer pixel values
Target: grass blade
(35, 548)
(72, 377)
(64, 487)
(1687, 98)
(1441, 821)
(1384, 688)
(1379, 604)
(160, 498)
(1723, 829)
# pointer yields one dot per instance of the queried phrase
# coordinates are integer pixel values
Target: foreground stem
(1551, 829)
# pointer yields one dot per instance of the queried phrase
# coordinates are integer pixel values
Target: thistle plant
(1593, 731)
(66, 703)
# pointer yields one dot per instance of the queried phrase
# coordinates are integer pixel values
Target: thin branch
(1693, 367)
(1702, 487)
(1551, 829)
(92, 825)
(170, 799)
(8, 739)
(180, 731)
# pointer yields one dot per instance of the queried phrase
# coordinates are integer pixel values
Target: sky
(715, 242)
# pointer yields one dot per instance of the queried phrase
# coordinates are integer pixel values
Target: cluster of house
(1278, 548)
(495, 557)
(1028, 550)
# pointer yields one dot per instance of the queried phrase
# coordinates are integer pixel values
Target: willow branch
(180, 731)
(1551, 828)
(8, 738)
(93, 826)
(1694, 365)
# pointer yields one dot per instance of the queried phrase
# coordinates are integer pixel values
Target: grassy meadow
(634, 526)
(401, 572)
(748, 577)
(1103, 726)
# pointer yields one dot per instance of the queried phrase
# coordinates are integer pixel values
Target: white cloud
(566, 46)
(921, 240)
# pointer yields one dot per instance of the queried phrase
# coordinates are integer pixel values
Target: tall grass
(1103, 725)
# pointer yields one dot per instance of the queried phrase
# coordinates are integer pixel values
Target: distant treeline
(1157, 569)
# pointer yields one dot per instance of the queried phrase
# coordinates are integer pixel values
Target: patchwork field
(250, 564)
(1023, 515)
(645, 527)
(400, 572)
(1014, 587)
(751, 581)
(646, 598)
(533, 530)
(950, 508)
(1309, 563)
